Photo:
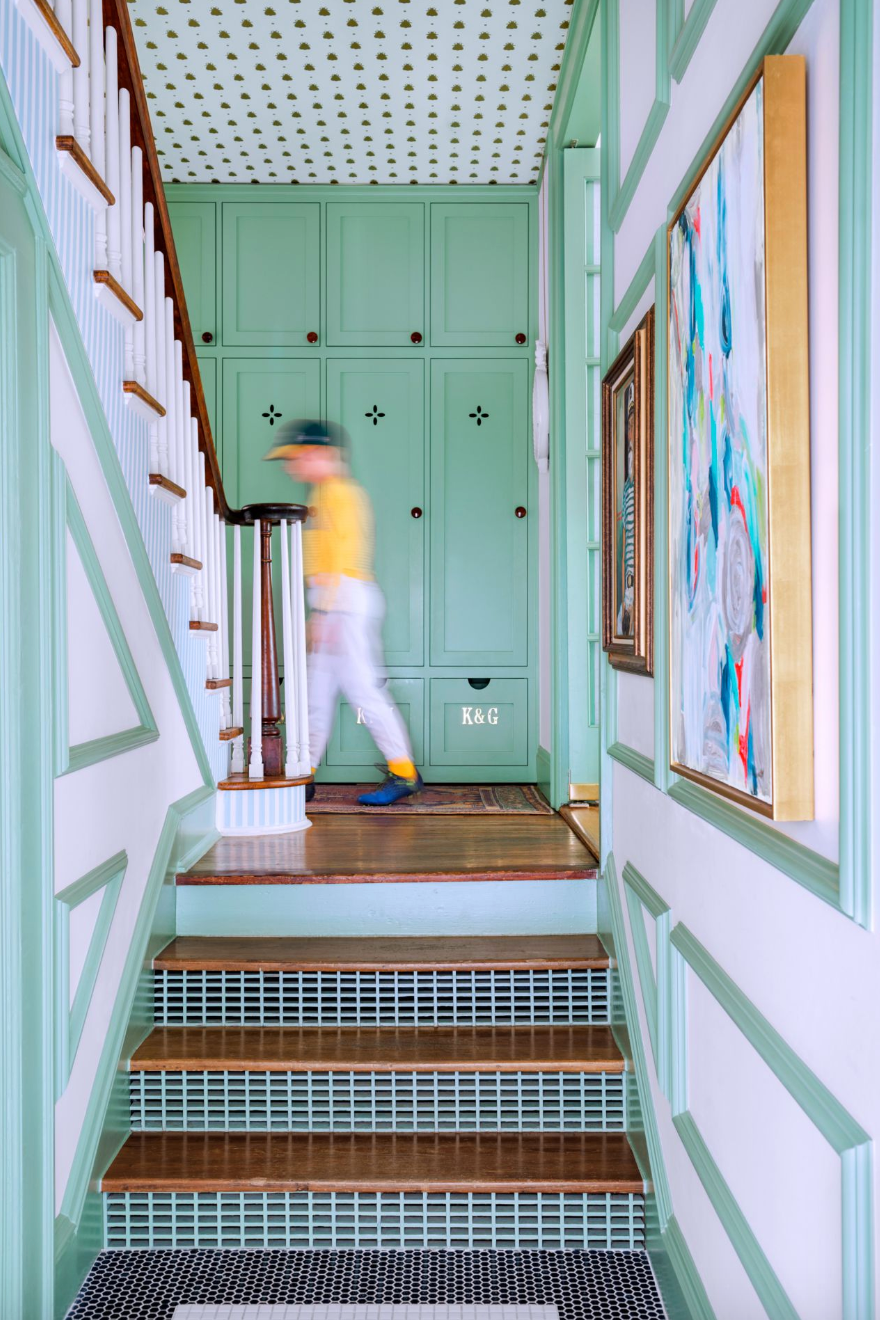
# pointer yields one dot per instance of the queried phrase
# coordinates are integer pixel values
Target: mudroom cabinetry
(408, 315)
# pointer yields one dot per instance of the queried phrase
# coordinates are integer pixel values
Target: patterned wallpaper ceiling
(349, 91)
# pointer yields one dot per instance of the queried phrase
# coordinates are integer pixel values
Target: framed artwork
(740, 594)
(628, 504)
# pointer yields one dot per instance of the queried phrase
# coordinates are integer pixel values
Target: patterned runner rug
(441, 799)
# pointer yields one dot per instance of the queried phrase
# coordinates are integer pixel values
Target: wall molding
(638, 762)
(845, 1136)
(92, 1155)
(622, 191)
(73, 758)
(70, 1012)
(642, 897)
(685, 33)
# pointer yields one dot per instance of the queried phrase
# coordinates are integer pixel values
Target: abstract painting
(738, 416)
(628, 503)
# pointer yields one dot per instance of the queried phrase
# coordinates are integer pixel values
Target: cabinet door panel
(375, 272)
(487, 725)
(479, 273)
(271, 273)
(381, 404)
(194, 226)
(351, 743)
(479, 477)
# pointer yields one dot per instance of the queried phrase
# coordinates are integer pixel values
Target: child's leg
(360, 678)
(323, 691)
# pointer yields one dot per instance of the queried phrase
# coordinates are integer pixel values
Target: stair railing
(105, 145)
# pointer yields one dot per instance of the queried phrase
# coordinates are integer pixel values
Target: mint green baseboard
(544, 771)
(542, 907)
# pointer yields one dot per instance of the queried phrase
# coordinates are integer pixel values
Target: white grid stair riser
(410, 1220)
(382, 998)
(378, 1102)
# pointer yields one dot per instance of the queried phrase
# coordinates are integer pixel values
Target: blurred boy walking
(347, 607)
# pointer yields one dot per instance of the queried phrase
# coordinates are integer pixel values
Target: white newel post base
(262, 810)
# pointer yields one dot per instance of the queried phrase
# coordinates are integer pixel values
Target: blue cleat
(392, 791)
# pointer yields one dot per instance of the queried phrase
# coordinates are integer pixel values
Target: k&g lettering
(476, 715)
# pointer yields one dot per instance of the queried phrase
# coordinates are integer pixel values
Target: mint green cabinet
(271, 273)
(258, 395)
(380, 401)
(479, 723)
(479, 484)
(479, 274)
(208, 373)
(375, 273)
(351, 743)
(195, 238)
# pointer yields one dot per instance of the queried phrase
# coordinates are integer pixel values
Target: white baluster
(237, 655)
(299, 653)
(64, 14)
(291, 750)
(125, 217)
(171, 470)
(81, 105)
(225, 711)
(149, 303)
(180, 444)
(114, 239)
(255, 768)
(163, 392)
(96, 115)
(197, 602)
(217, 611)
(137, 262)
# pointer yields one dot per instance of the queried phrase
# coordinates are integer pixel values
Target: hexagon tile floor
(150, 1285)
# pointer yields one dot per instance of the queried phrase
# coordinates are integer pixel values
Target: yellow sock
(403, 769)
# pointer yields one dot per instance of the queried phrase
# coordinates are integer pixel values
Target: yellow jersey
(338, 537)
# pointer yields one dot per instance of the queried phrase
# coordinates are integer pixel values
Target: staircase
(384, 1093)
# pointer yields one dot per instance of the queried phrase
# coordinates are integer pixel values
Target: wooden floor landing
(354, 849)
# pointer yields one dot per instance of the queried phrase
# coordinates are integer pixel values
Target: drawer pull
(416, 337)
(520, 339)
(416, 512)
(207, 337)
(479, 683)
(520, 511)
(312, 336)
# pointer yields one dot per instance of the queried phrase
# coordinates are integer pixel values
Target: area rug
(438, 799)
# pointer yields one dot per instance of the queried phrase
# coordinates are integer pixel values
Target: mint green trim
(630, 300)
(70, 1016)
(845, 1136)
(146, 731)
(78, 1230)
(81, 371)
(771, 1293)
(809, 868)
(696, 1299)
(632, 1047)
(580, 31)
(621, 192)
(633, 760)
(655, 988)
(13, 174)
(855, 375)
(685, 33)
(58, 496)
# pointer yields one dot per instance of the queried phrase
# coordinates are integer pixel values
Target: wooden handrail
(116, 16)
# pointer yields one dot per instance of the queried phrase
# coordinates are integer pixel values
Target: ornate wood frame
(637, 358)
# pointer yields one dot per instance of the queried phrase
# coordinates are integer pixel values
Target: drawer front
(351, 743)
(485, 725)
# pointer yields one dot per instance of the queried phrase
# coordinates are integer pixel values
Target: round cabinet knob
(416, 337)
(520, 511)
(416, 512)
(207, 337)
(312, 336)
(521, 339)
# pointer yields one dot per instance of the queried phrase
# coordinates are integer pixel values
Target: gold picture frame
(740, 588)
(628, 504)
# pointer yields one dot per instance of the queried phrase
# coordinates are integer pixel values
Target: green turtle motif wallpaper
(350, 92)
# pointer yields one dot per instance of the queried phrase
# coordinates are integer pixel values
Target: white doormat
(365, 1312)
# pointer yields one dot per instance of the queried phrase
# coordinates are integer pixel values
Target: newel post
(273, 748)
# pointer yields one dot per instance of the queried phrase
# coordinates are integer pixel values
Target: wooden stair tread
(577, 1049)
(382, 953)
(374, 1162)
(584, 821)
(347, 849)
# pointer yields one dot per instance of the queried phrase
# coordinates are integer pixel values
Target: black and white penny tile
(171, 1285)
